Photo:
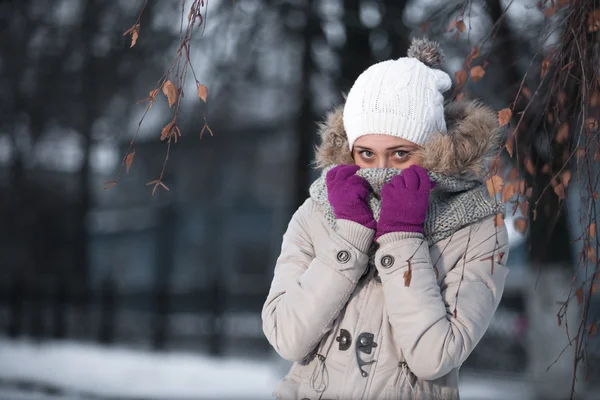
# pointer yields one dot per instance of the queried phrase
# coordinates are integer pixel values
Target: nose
(384, 162)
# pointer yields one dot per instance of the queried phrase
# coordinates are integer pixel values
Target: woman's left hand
(404, 202)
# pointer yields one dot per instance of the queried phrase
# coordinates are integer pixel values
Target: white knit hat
(401, 98)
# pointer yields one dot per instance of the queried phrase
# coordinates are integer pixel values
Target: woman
(391, 271)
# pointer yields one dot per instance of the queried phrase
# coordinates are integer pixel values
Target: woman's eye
(401, 154)
(366, 154)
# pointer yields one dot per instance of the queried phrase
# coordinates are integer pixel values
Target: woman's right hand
(348, 195)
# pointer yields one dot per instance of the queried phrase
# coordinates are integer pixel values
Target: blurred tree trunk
(165, 251)
(91, 77)
(392, 22)
(19, 202)
(305, 130)
(355, 55)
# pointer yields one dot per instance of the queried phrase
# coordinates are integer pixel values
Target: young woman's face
(384, 151)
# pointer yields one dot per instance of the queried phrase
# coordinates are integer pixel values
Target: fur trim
(461, 152)
(334, 147)
(427, 51)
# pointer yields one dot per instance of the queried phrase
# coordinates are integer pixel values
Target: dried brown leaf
(504, 116)
(579, 294)
(109, 184)
(521, 224)
(509, 147)
(134, 38)
(513, 174)
(594, 99)
(560, 191)
(166, 131)
(595, 195)
(545, 67)
(494, 185)
(129, 161)
(529, 167)
(594, 288)
(499, 220)
(562, 96)
(500, 257)
(548, 12)
(202, 91)
(591, 254)
(134, 31)
(593, 329)
(594, 21)
(597, 155)
(461, 77)
(477, 73)
(521, 186)
(508, 192)
(563, 133)
(408, 275)
(546, 169)
(591, 124)
(565, 178)
(460, 25)
(170, 90)
(526, 92)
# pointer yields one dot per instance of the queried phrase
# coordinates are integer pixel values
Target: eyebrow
(400, 147)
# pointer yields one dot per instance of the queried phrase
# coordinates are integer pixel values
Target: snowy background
(77, 371)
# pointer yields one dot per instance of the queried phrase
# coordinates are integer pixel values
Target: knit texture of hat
(401, 98)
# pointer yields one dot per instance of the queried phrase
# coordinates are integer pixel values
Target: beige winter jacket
(357, 333)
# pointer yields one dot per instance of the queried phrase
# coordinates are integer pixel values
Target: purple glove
(349, 195)
(404, 202)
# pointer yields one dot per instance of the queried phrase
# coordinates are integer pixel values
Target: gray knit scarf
(453, 204)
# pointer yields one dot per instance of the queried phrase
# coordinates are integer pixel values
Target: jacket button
(345, 339)
(387, 261)
(343, 256)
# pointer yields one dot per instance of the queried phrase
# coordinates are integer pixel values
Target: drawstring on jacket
(320, 371)
(404, 373)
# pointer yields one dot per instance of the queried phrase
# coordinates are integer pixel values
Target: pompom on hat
(401, 98)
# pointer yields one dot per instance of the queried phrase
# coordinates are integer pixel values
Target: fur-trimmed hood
(462, 152)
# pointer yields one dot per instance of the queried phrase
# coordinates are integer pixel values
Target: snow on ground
(118, 372)
(126, 373)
